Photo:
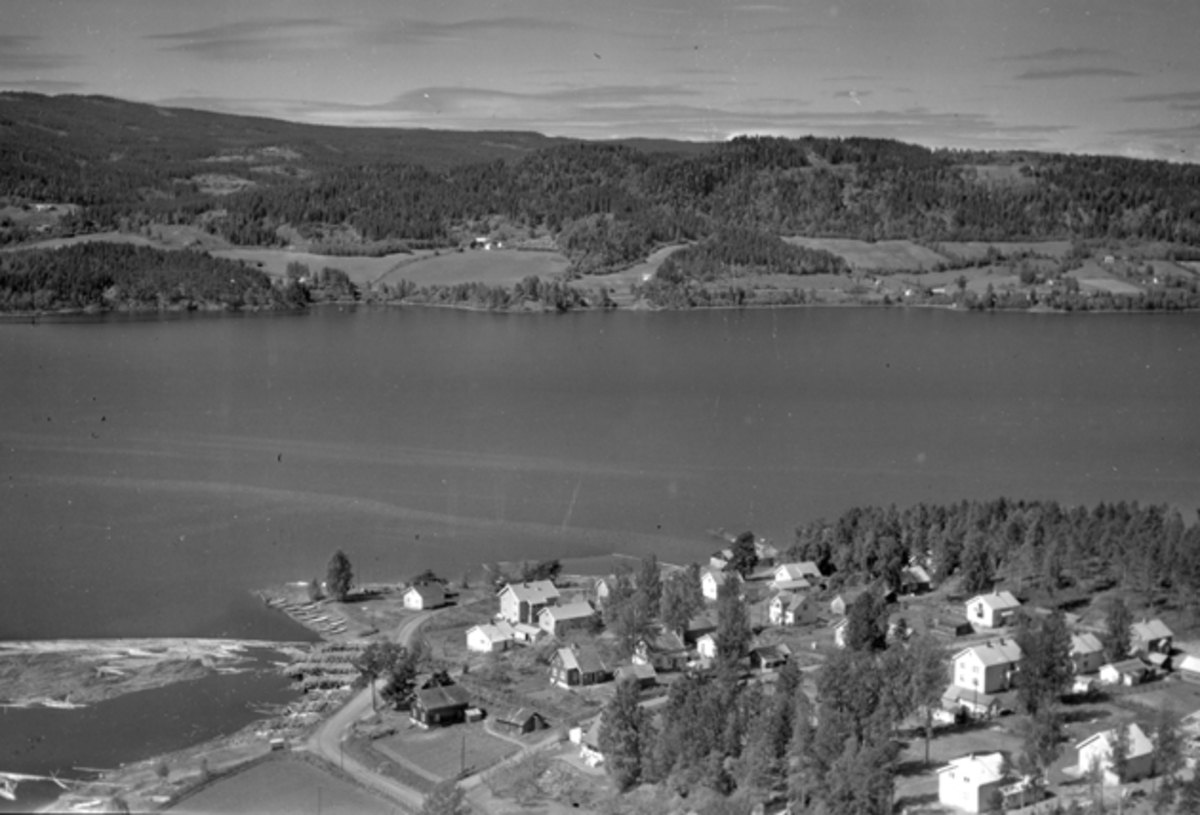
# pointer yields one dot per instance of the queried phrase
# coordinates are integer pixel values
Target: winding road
(326, 740)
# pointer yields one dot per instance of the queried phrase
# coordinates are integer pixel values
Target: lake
(153, 470)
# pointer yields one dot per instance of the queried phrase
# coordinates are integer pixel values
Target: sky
(1083, 76)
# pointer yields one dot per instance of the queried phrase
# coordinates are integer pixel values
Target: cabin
(976, 782)
(571, 668)
(521, 602)
(770, 657)
(489, 637)
(915, 580)
(992, 610)
(990, 667)
(1097, 750)
(557, 620)
(1087, 653)
(1128, 672)
(642, 673)
(663, 650)
(520, 720)
(440, 705)
(789, 609)
(424, 596)
(1151, 637)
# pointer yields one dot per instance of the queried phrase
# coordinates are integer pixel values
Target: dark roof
(445, 696)
(516, 716)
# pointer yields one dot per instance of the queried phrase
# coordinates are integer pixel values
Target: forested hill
(606, 205)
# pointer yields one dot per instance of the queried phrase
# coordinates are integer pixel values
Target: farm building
(712, 579)
(992, 610)
(440, 705)
(1151, 637)
(557, 620)
(570, 668)
(490, 637)
(520, 720)
(787, 608)
(643, 674)
(915, 580)
(1125, 672)
(424, 595)
(770, 657)
(1189, 668)
(521, 602)
(1098, 748)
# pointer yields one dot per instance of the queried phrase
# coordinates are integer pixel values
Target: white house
(1087, 653)
(992, 610)
(972, 783)
(1151, 637)
(1125, 672)
(987, 668)
(589, 743)
(787, 608)
(521, 602)
(490, 637)
(556, 620)
(424, 595)
(796, 575)
(1098, 749)
(706, 647)
(712, 579)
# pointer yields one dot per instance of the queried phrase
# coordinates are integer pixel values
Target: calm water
(153, 470)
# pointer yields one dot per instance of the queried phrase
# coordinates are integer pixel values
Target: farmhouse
(490, 637)
(787, 608)
(1125, 672)
(664, 650)
(1151, 637)
(795, 575)
(712, 579)
(987, 668)
(992, 610)
(1098, 749)
(424, 595)
(974, 783)
(1087, 653)
(557, 620)
(706, 647)
(842, 602)
(571, 669)
(915, 580)
(440, 705)
(521, 602)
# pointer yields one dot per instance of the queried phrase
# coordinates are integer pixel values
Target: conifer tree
(624, 736)
(339, 577)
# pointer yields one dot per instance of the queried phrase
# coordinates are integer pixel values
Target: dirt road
(326, 740)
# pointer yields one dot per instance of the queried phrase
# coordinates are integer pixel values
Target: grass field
(445, 751)
(283, 786)
(878, 256)
(496, 268)
(970, 250)
(361, 270)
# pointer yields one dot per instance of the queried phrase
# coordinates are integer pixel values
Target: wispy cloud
(1058, 54)
(1075, 73)
(16, 54)
(253, 39)
(407, 31)
(1182, 100)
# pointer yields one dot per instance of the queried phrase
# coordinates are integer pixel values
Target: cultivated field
(879, 256)
(445, 752)
(361, 270)
(971, 250)
(283, 786)
(495, 268)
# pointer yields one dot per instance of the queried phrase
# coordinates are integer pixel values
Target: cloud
(1074, 73)
(399, 32)
(1057, 54)
(15, 55)
(253, 39)
(1187, 101)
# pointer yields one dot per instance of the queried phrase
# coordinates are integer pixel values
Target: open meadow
(881, 256)
(502, 267)
(285, 785)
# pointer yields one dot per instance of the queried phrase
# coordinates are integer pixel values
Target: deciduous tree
(625, 736)
(339, 577)
(1117, 637)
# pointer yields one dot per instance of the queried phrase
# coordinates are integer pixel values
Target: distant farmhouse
(992, 610)
(521, 602)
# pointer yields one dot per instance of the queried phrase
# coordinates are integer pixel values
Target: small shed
(770, 657)
(520, 720)
(424, 595)
(440, 705)
(643, 674)
(1125, 672)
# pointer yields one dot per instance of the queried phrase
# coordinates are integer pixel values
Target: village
(519, 671)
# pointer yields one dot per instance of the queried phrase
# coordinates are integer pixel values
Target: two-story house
(521, 602)
(992, 610)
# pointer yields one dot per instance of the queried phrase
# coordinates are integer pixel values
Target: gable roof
(662, 641)
(570, 611)
(442, 696)
(536, 592)
(1127, 666)
(636, 671)
(775, 651)
(997, 601)
(993, 652)
(984, 767)
(585, 661)
(499, 631)
(796, 571)
(1139, 742)
(1190, 663)
(517, 716)
(915, 574)
(1085, 643)
(431, 594)
(1154, 629)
